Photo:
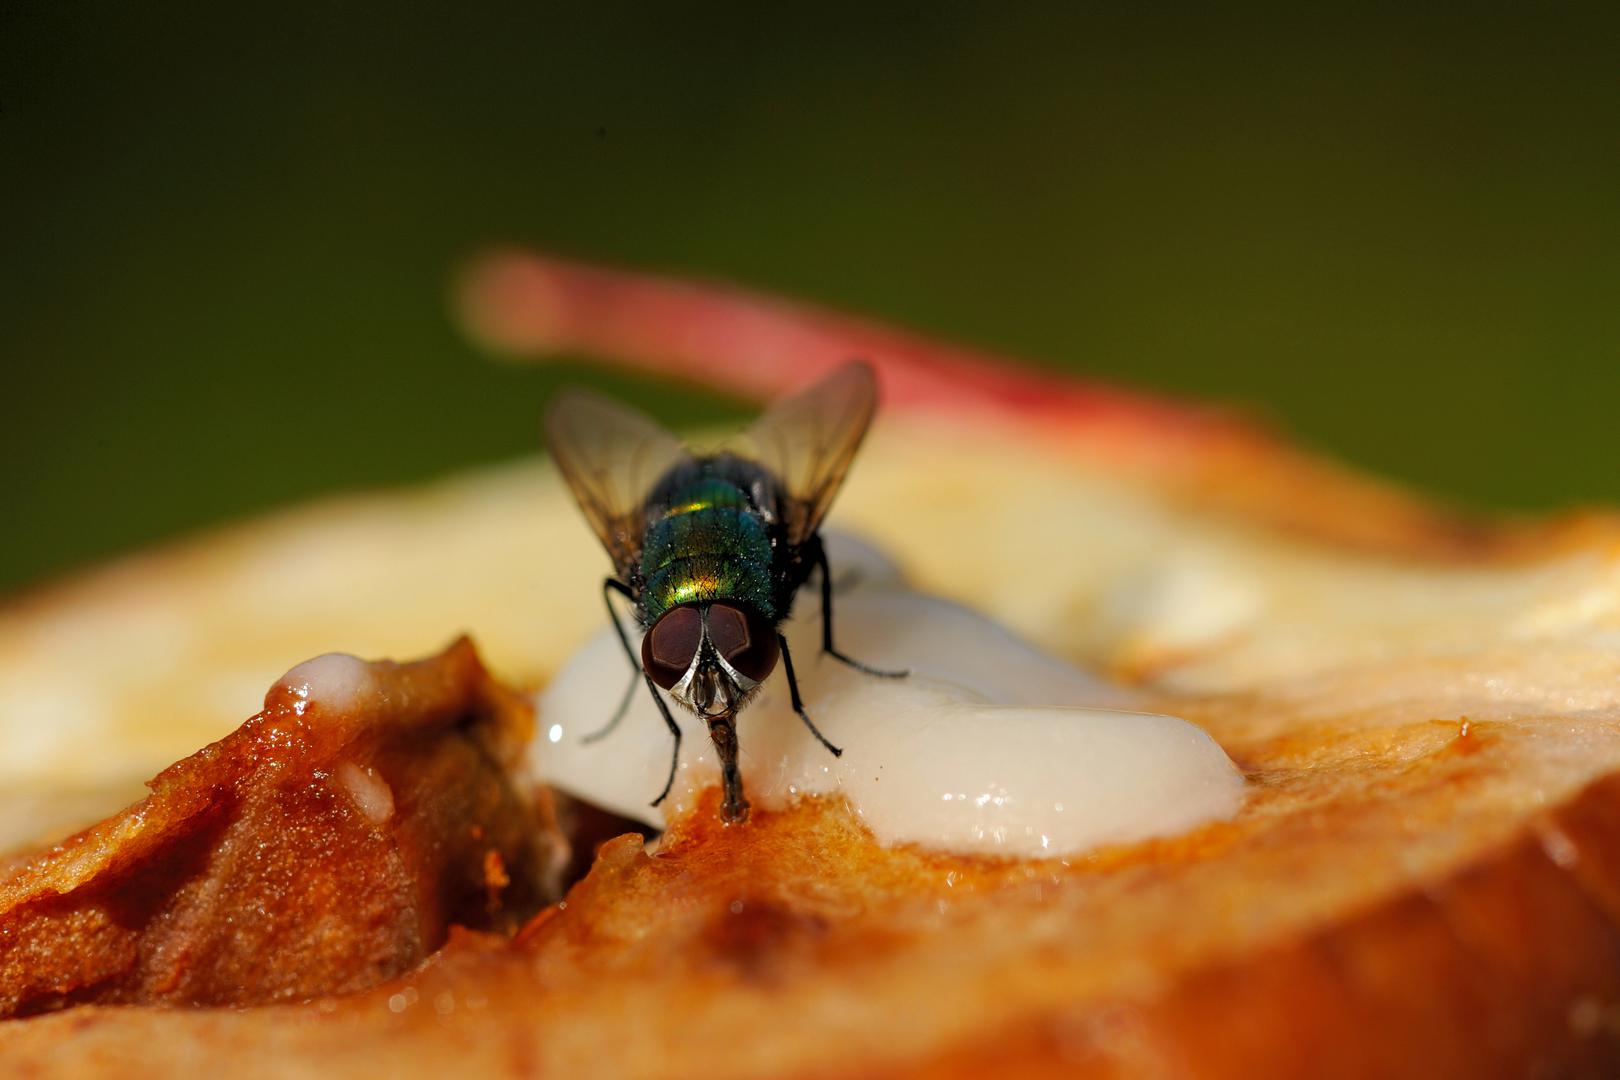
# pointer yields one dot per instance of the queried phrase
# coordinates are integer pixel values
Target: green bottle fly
(712, 549)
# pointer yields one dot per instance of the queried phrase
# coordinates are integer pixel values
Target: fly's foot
(864, 669)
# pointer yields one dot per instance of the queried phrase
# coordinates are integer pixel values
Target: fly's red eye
(745, 639)
(668, 648)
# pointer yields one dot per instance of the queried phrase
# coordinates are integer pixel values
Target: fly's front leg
(609, 587)
(674, 729)
(827, 624)
(723, 733)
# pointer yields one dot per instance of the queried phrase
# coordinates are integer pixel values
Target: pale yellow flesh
(109, 678)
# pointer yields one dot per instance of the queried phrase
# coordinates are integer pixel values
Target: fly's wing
(808, 440)
(611, 455)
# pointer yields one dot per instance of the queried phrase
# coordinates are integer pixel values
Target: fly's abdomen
(708, 577)
(709, 545)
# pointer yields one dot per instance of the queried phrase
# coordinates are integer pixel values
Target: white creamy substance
(989, 746)
(336, 680)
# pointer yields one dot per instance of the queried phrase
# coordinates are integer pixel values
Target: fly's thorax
(703, 492)
(715, 480)
(719, 530)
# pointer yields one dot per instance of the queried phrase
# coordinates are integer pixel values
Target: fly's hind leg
(609, 587)
(827, 628)
(618, 714)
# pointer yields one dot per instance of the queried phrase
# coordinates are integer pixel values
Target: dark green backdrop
(226, 236)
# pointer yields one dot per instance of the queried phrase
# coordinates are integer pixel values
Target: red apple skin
(527, 306)
(760, 347)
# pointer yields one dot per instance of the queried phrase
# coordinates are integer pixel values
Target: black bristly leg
(798, 702)
(674, 729)
(827, 623)
(618, 714)
(609, 587)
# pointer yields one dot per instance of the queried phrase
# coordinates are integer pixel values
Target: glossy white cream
(370, 792)
(337, 680)
(989, 746)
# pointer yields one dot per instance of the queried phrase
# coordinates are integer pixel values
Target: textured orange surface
(1415, 915)
(251, 873)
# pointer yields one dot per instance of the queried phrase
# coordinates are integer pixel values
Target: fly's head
(711, 657)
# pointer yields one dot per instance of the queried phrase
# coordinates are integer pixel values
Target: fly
(711, 549)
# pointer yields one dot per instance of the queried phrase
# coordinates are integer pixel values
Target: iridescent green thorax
(708, 544)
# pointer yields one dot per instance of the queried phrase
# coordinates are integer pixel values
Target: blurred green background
(227, 234)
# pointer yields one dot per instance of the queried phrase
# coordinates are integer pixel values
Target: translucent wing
(611, 455)
(808, 441)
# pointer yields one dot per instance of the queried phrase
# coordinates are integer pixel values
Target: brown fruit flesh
(1390, 902)
(313, 851)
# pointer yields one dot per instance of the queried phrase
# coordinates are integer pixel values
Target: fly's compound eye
(668, 648)
(745, 639)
